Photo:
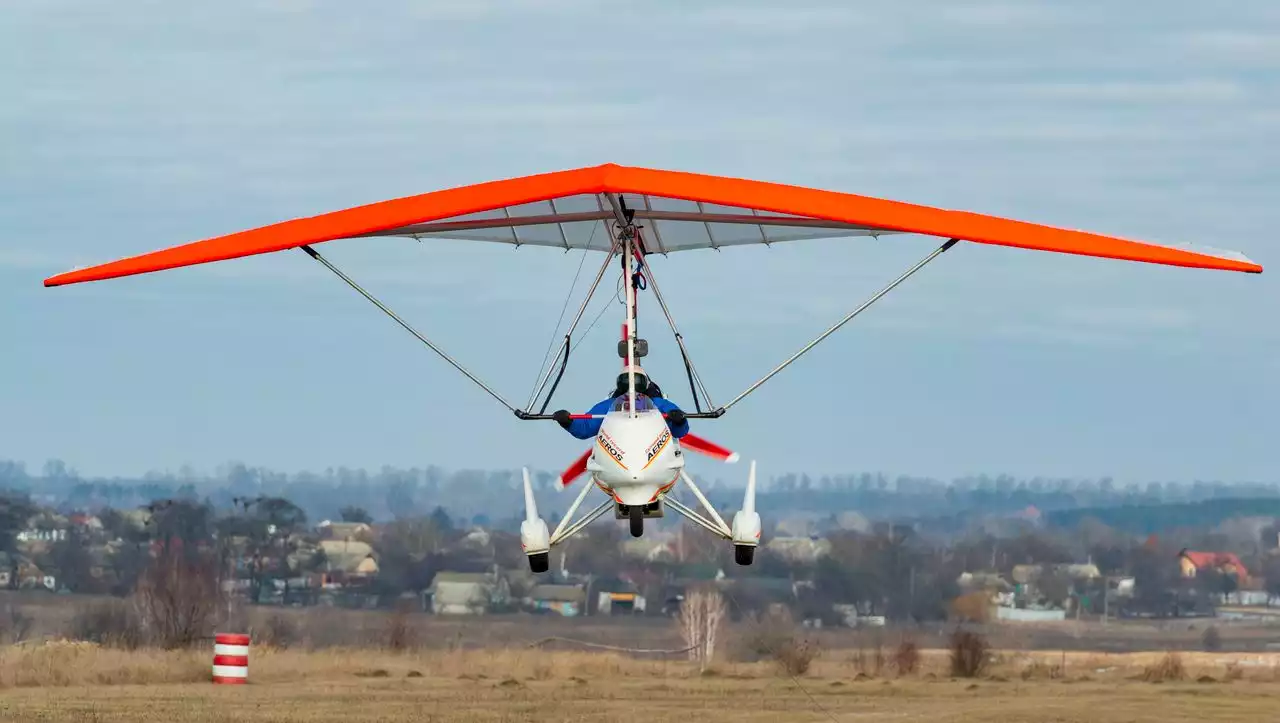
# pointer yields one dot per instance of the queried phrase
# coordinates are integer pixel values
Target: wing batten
(759, 205)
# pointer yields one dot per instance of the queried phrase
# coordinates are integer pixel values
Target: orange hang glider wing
(677, 211)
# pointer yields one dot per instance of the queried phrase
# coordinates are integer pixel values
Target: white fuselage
(635, 458)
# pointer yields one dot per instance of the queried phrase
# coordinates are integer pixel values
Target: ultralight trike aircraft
(633, 213)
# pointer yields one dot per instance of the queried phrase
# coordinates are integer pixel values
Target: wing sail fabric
(680, 212)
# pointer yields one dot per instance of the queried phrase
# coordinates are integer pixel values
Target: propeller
(697, 444)
(691, 442)
(574, 471)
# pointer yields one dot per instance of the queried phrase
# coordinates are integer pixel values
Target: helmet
(624, 381)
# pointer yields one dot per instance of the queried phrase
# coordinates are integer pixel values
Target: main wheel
(744, 554)
(540, 562)
(637, 520)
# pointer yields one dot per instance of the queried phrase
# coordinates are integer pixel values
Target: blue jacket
(588, 428)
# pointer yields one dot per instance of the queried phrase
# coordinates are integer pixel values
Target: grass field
(51, 616)
(335, 666)
(81, 682)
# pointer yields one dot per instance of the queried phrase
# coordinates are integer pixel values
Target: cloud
(1251, 48)
(774, 21)
(1137, 318)
(1132, 92)
(1000, 15)
(31, 259)
(1060, 335)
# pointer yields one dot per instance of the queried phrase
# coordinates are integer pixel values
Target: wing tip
(64, 278)
(1223, 259)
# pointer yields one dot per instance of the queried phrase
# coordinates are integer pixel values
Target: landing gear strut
(745, 532)
(533, 531)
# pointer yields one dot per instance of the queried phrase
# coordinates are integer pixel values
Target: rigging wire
(555, 332)
(605, 307)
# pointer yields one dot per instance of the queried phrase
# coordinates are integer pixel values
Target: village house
(87, 522)
(617, 597)
(344, 531)
(43, 535)
(989, 580)
(563, 599)
(468, 593)
(650, 549)
(799, 549)
(1192, 562)
(348, 562)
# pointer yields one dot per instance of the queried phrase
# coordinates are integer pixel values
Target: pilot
(588, 428)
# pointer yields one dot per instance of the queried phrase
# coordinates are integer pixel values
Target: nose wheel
(637, 520)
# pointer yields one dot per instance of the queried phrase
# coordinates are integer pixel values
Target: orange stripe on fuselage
(664, 489)
(665, 433)
(614, 455)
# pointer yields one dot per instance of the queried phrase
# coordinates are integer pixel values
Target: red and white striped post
(230, 658)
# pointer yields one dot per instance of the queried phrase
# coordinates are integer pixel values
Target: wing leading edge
(685, 211)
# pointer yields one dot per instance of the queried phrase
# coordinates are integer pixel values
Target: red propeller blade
(574, 471)
(711, 449)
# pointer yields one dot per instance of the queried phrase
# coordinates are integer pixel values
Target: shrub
(1040, 670)
(111, 624)
(277, 631)
(15, 625)
(906, 657)
(765, 635)
(1170, 667)
(872, 664)
(399, 634)
(969, 652)
(773, 637)
(1212, 639)
(795, 656)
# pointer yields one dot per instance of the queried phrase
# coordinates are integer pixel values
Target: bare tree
(701, 615)
(178, 595)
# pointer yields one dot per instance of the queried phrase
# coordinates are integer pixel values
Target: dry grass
(358, 685)
(52, 615)
(1167, 669)
(58, 664)
(61, 664)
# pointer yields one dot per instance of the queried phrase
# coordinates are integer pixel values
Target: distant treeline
(1154, 519)
(491, 496)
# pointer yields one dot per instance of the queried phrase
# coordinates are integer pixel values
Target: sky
(130, 128)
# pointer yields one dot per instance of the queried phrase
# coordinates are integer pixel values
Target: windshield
(622, 404)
